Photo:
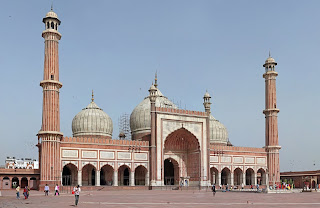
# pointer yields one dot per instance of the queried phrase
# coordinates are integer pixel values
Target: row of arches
(15, 181)
(249, 177)
(107, 176)
(52, 25)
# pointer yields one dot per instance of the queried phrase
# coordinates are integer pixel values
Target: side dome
(140, 118)
(92, 121)
(218, 132)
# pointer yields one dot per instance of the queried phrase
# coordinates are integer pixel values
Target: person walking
(25, 192)
(46, 190)
(18, 192)
(56, 188)
(213, 189)
(28, 192)
(76, 194)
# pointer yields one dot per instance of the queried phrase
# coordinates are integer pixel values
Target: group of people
(47, 190)
(26, 191)
(76, 192)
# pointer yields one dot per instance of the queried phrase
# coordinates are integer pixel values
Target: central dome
(140, 118)
(92, 121)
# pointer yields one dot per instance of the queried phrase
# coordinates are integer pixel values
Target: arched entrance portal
(249, 177)
(69, 175)
(124, 175)
(261, 177)
(238, 177)
(225, 176)
(140, 176)
(171, 172)
(24, 182)
(184, 147)
(106, 175)
(214, 176)
(88, 175)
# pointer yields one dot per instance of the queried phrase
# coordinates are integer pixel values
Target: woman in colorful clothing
(56, 190)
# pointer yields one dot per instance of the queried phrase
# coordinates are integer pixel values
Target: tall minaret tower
(49, 136)
(271, 115)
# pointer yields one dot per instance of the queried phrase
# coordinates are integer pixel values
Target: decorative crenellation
(181, 111)
(238, 149)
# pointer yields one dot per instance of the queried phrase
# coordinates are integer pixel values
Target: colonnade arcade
(8, 182)
(237, 177)
(106, 176)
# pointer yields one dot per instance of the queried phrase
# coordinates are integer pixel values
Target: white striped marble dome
(52, 14)
(140, 118)
(218, 132)
(92, 121)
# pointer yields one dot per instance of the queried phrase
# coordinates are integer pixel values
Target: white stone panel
(106, 155)
(226, 159)
(261, 160)
(214, 159)
(89, 154)
(249, 160)
(70, 153)
(237, 159)
(124, 155)
(140, 156)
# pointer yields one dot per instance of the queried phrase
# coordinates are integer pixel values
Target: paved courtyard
(163, 199)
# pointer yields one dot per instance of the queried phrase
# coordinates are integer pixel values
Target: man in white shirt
(76, 194)
(46, 190)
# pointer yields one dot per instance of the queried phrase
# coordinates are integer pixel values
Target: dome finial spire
(269, 53)
(92, 98)
(52, 6)
(156, 80)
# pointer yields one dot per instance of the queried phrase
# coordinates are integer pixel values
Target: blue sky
(115, 47)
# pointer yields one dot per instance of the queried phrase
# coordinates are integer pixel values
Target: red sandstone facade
(177, 150)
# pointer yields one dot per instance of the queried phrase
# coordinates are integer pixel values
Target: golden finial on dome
(92, 99)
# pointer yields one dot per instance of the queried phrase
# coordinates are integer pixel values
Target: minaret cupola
(206, 102)
(51, 20)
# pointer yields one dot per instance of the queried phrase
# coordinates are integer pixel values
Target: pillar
(131, 178)
(98, 178)
(115, 178)
(147, 179)
(219, 178)
(255, 178)
(232, 178)
(244, 178)
(80, 177)
(213, 178)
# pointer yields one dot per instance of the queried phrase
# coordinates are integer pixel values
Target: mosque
(169, 146)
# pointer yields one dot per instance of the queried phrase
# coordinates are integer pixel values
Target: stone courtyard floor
(163, 199)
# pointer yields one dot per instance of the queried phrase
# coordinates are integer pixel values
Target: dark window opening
(52, 25)
(52, 77)
(56, 26)
(48, 25)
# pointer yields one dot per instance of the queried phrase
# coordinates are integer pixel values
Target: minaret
(271, 115)
(49, 136)
(153, 152)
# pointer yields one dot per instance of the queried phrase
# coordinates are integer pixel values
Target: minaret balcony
(44, 82)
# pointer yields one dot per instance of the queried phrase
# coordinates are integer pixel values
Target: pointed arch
(106, 175)
(69, 175)
(124, 175)
(88, 175)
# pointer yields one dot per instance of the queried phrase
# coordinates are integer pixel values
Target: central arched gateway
(181, 158)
